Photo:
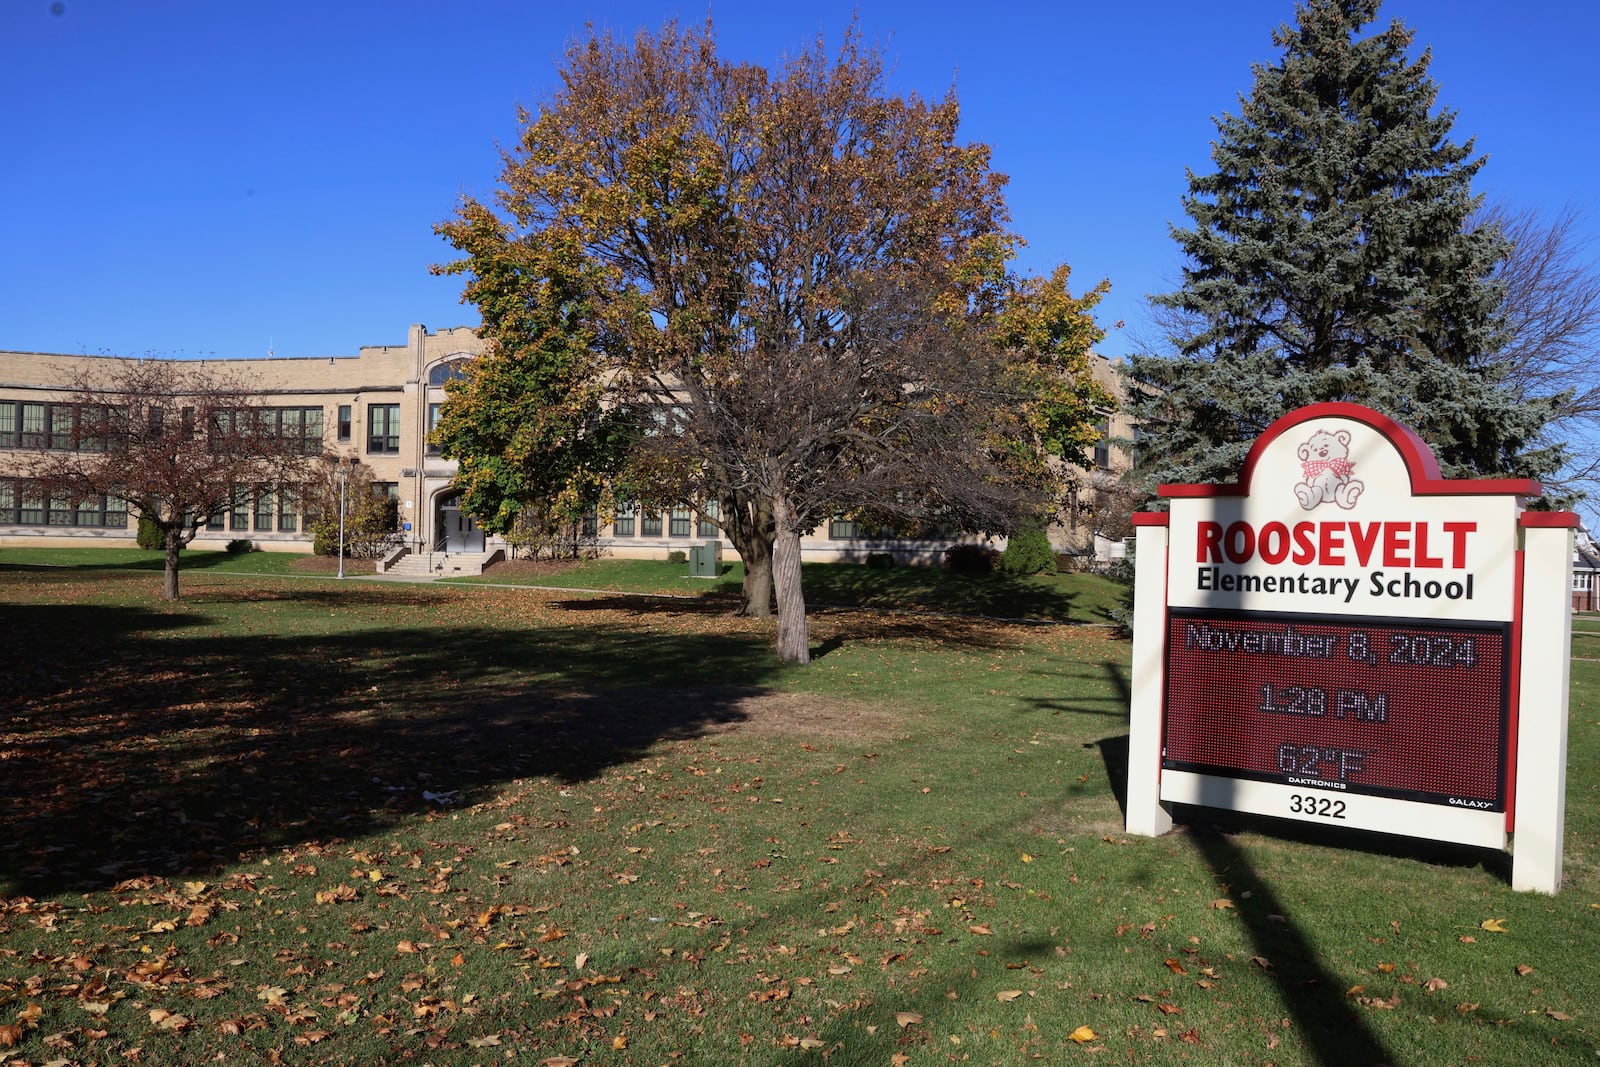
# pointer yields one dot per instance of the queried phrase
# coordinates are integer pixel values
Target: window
(622, 526)
(679, 527)
(589, 526)
(433, 422)
(843, 529)
(1102, 447)
(287, 519)
(387, 490)
(21, 506)
(383, 428)
(300, 428)
(239, 521)
(709, 514)
(32, 510)
(32, 425)
(60, 426)
(344, 422)
(650, 524)
(263, 509)
(8, 425)
(453, 371)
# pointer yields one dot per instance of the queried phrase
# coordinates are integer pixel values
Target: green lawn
(309, 822)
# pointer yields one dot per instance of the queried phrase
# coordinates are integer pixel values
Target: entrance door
(461, 533)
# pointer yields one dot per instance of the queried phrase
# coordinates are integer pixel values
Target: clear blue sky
(198, 177)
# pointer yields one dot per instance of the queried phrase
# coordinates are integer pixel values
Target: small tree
(173, 439)
(371, 516)
(1027, 552)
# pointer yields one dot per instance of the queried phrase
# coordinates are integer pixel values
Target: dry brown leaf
(1559, 1016)
(1220, 905)
(1006, 996)
(558, 1061)
(1175, 965)
(1523, 970)
(1433, 985)
(1083, 1034)
(981, 929)
(907, 1018)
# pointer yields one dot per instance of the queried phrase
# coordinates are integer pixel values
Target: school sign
(1345, 637)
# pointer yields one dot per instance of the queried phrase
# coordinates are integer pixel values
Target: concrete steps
(441, 564)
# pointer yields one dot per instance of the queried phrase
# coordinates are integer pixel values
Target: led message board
(1367, 706)
(1345, 637)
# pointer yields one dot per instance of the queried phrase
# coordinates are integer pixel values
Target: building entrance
(460, 532)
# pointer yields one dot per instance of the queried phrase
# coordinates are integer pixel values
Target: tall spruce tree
(1332, 257)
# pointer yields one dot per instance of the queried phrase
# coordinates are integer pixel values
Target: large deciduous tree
(175, 440)
(784, 291)
(1331, 258)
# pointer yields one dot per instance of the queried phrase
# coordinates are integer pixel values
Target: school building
(379, 406)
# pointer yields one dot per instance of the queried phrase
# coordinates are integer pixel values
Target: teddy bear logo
(1328, 473)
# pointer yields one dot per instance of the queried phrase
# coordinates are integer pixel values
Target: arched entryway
(455, 530)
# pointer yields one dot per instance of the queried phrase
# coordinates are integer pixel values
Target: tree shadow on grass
(1334, 1034)
(938, 589)
(133, 746)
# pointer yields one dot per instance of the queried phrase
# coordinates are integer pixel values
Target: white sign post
(1345, 637)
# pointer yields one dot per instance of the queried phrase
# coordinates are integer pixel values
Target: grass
(1063, 597)
(291, 821)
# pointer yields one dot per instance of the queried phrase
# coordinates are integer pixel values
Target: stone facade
(379, 405)
(374, 405)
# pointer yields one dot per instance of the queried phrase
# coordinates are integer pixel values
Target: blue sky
(227, 177)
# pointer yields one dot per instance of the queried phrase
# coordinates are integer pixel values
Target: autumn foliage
(785, 291)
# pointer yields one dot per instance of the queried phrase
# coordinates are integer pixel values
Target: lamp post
(343, 478)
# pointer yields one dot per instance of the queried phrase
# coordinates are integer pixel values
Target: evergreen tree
(1332, 257)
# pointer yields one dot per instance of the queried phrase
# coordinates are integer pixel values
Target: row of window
(65, 426)
(261, 510)
(679, 521)
(632, 520)
(43, 425)
(21, 507)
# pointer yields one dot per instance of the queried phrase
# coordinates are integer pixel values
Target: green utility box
(705, 561)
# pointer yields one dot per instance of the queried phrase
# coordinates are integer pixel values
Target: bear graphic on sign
(1328, 474)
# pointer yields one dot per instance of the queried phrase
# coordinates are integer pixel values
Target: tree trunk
(794, 638)
(174, 543)
(748, 524)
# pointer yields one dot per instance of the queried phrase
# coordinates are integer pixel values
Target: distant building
(1585, 573)
(380, 405)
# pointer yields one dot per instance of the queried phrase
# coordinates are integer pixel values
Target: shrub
(240, 545)
(1028, 552)
(880, 561)
(677, 556)
(150, 536)
(969, 558)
